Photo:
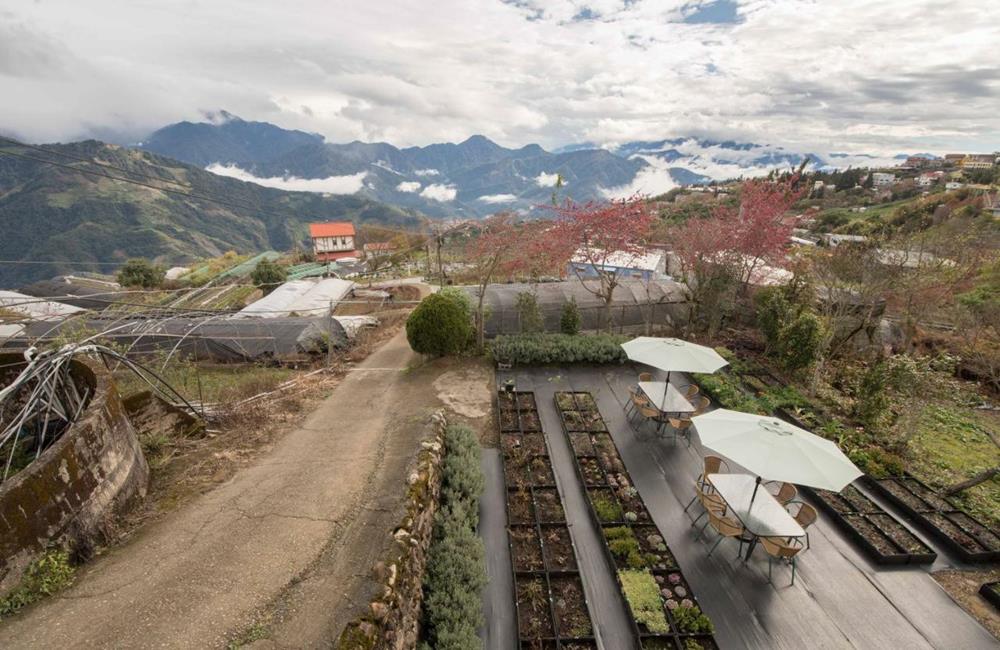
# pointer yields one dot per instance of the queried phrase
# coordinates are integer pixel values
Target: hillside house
(991, 202)
(650, 265)
(954, 159)
(378, 249)
(929, 178)
(883, 179)
(979, 161)
(333, 241)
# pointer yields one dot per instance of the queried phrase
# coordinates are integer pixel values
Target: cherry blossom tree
(601, 237)
(727, 250)
(497, 250)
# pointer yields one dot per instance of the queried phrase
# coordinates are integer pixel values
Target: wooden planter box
(991, 592)
(937, 516)
(550, 606)
(603, 474)
(856, 518)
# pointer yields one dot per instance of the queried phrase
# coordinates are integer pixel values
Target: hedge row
(535, 349)
(456, 570)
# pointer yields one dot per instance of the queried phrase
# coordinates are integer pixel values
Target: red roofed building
(333, 241)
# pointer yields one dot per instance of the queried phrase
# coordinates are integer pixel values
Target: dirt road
(281, 551)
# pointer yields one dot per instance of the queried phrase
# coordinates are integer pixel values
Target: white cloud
(330, 185)
(850, 75)
(426, 172)
(548, 180)
(408, 186)
(497, 198)
(650, 181)
(438, 192)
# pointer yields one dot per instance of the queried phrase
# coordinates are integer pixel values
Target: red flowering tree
(600, 237)
(725, 251)
(498, 250)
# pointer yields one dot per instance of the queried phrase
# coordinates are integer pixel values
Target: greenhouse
(636, 303)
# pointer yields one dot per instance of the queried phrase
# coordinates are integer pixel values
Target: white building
(883, 179)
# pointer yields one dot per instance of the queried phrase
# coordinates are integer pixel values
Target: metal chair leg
(700, 532)
(807, 539)
(697, 518)
(695, 498)
(717, 542)
(769, 568)
(793, 571)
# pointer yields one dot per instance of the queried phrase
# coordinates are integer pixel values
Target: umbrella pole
(663, 404)
(754, 495)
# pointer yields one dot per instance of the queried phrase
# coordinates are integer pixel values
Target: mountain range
(62, 221)
(473, 178)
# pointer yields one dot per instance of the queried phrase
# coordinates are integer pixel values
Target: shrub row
(533, 349)
(456, 571)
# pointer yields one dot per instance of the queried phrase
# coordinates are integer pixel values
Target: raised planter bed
(991, 592)
(883, 538)
(550, 604)
(964, 535)
(646, 571)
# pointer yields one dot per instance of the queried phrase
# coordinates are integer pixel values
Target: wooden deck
(840, 599)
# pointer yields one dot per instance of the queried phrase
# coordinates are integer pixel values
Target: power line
(94, 162)
(61, 263)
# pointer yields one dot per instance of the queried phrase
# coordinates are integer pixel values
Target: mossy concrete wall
(393, 619)
(77, 490)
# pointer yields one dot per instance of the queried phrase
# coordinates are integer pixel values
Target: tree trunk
(981, 477)
(480, 324)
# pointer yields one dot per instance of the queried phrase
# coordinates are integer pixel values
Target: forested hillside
(55, 213)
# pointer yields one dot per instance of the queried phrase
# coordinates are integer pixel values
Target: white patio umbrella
(776, 450)
(673, 355)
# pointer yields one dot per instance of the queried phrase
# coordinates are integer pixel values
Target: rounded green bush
(440, 325)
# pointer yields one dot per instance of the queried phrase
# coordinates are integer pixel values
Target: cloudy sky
(826, 75)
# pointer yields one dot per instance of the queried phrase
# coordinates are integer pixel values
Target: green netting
(244, 269)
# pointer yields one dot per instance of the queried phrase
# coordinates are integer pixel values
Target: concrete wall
(75, 492)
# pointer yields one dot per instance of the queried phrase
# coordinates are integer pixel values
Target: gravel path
(288, 541)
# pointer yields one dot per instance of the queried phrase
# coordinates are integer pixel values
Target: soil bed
(964, 535)
(879, 534)
(646, 570)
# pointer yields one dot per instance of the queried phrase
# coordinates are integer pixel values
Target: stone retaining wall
(393, 620)
(76, 490)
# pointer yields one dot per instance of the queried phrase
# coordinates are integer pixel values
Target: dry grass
(963, 587)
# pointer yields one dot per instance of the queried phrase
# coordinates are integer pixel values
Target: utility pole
(439, 237)
(329, 337)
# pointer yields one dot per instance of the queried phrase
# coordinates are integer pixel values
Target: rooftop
(331, 229)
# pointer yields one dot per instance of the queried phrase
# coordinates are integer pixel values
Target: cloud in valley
(851, 75)
(548, 180)
(330, 185)
(438, 192)
(497, 198)
(408, 186)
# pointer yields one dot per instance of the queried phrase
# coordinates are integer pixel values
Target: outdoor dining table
(675, 402)
(765, 517)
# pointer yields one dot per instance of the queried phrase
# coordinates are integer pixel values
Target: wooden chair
(712, 465)
(726, 527)
(805, 515)
(691, 391)
(682, 426)
(786, 492)
(781, 549)
(645, 376)
(701, 405)
(709, 502)
(637, 400)
(651, 414)
(633, 392)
